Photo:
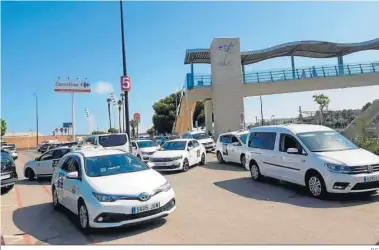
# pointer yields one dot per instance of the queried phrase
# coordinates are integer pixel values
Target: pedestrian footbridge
(230, 80)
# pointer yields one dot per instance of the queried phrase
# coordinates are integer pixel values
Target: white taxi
(143, 149)
(179, 154)
(202, 138)
(231, 147)
(110, 188)
(43, 166)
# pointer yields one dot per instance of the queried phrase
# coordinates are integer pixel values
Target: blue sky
(45, 40)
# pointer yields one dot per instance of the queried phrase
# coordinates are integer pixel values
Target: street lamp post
(125, 73)
(36, 117)
(262, 122)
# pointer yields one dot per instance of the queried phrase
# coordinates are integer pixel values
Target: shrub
(370, 144)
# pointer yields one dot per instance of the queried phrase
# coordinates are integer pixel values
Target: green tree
(3, 127)
(113, 130)
(134, 125)
(366, 106)
(151, 131)
(61, 129)
(165, 112)
(323, 102)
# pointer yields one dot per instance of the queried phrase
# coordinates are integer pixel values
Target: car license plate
(6, 176)
(372, 178)
(144, 208)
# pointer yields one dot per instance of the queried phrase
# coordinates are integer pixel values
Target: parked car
(314, 156)
(231, 147)
(143, 149)
(110, 188)
(109, 141)
(43, 145)
(8, 175)
(172, 137)
(201, 137)
(11, 148)
(63, 144)
(43, 166)
(178, 154)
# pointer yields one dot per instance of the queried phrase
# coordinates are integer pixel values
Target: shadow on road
(40, 181)
(49, 226)
(229, 166)
(276, 191)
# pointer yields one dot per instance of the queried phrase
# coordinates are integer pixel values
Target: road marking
(27, 238)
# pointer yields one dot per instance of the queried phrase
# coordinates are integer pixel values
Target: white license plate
(6, 176)
(372, 178)
(144, 208)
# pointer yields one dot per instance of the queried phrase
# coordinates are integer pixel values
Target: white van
(231, 147)
(109, 141)
(313, 156)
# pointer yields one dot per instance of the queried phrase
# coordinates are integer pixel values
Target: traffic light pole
(125, 73)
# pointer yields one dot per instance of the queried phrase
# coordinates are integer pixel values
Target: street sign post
(72, 86)
(125, 83)
(137, 116)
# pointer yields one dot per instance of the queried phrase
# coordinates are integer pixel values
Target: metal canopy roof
(313, 49)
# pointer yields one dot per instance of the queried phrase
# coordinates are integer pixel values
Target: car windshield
(243, 137)
(159, 138)
(200, 136)
(146, 144)
(173, 145)
(113, 164)
(112, 140)
(324, 141)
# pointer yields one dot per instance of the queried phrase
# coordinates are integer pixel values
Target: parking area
(216, 204)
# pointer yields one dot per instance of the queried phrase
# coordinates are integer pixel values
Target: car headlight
(165, 187)
(177, 158)
(105, 197)
(339, 169)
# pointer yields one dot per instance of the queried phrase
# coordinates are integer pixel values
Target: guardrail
(311, 72)
(205, 81)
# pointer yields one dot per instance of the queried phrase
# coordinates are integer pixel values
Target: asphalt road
(216, 204)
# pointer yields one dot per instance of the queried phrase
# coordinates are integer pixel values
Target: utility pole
(36, 118)
(262, 122)
(125, 73)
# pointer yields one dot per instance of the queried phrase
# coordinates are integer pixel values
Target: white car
(202, 138)
(110, 188)
(143, 149)
(231, 147)
(179, 154)
(313, 156)
(43, 166)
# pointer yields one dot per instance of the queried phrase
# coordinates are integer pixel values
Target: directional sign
(125, 83)
(69, 86)
(67, 124)
(137, 116)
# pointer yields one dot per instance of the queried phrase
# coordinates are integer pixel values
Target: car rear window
(112, 140)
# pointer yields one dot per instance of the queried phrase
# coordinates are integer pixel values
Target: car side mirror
(36, 159)
(292, 151)
(72, 175)
(236, 144)
(189, 148)
(15, 157)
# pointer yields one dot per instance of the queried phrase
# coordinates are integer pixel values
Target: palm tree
(109, 112)
(134, 125)
(119, 103)
(65, 130)
(61, 129)
(56, 130)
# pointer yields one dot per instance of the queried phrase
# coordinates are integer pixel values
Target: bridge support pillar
(208, 110)
(340, 65)
(227, 91)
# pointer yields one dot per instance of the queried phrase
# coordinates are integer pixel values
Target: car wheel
(202, 162)
(185, 165)
(83, 217)
(219, 157)
(316, 185)
(56, 204)
(31, 174)
(255, 172)
(243, 160)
